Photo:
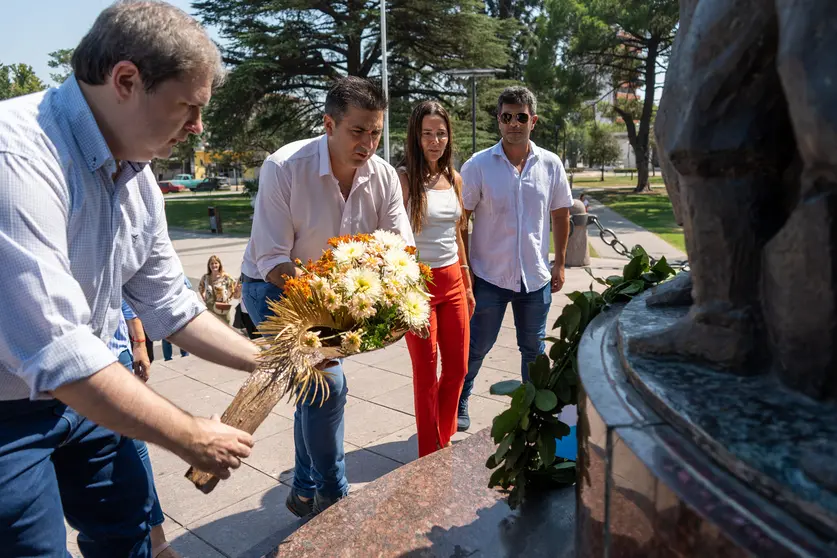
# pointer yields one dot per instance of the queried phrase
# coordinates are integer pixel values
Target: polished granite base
(439, 506)
(646, 489)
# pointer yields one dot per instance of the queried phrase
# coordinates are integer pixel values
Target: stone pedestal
(578, 252)
(439, 506)
(678, 460)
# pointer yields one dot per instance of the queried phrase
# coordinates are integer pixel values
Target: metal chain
(609, 237)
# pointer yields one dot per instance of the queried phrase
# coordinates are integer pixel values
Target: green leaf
(596, 279)
(504, 423)
(531, 391)
(556, 352)
(516, 451)
(539, 372)
(516, 496)
(491, 463)
(636, 267)
(506, 387)
(532, 435)
(524, 421)
(517, 400)
(557, 430)
(562, 390)
(614, 280)
(662, 268)
(571, 319)
(504, 447)
(633, 287)
(498, 477)
(564, 465)
(546, 448)
(545, 400)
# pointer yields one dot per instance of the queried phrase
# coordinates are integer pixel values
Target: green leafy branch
(527, 431)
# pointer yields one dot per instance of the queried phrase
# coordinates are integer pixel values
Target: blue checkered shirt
(73, 244)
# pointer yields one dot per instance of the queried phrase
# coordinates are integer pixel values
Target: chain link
(609, 237)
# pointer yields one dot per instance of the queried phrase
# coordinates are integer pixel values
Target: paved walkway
(628, 232)
(245, 516)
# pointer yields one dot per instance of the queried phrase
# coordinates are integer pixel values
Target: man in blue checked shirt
(82, 227)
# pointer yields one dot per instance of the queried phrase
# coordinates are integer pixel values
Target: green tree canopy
(60, 60)
(284, 54)
(18, 79)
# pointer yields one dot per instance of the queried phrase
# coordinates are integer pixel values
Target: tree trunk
(644, 135)
(602, 180)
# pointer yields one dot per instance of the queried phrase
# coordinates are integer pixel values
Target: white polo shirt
(510, 241)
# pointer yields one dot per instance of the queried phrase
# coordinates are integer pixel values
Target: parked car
(167, 186)
(212, 183)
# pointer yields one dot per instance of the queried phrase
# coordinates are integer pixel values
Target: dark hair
(356, 92)
(162, 41)
(417, 167)
(517, 95)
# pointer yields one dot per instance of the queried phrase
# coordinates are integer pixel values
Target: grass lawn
(191, 212)
(621, 181)
(651, 211)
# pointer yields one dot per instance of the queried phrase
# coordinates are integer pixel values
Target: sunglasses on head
(521, 117)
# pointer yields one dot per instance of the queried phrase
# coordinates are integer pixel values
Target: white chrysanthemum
(361, 307)
(389, 240)
(415, 309)
(361, 281)
(319, 284)
(401, 265)
(349, 252)
(351, 342)
(331, 300)
(311, 340)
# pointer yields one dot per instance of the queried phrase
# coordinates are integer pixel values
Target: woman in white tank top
(433, 196)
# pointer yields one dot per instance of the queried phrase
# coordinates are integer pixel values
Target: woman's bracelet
(137, 341)
(464, 266)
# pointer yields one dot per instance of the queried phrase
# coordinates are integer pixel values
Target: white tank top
(436, 242)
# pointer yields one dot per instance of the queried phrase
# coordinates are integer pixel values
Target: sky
(31, 29)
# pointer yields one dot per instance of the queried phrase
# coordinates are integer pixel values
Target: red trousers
(437, 401)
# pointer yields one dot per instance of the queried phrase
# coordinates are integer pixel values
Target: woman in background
(433, 197)
(218, 289)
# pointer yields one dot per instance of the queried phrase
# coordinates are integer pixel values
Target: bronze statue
(748, 138)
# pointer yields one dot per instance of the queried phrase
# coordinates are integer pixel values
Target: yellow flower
(311, 340)
(362, 307)
(351, 342)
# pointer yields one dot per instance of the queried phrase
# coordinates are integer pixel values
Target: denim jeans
(320, 464)
(530, 311)
(167, 351)
(54, 463)
(156, 517)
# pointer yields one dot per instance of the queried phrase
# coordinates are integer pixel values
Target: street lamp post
(473, 74)
(384, 75)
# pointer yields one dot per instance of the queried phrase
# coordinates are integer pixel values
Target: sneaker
(321, 503)
(463, 421)
(298, 506)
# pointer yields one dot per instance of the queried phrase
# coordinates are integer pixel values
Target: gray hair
(517, 95)
(162, 41)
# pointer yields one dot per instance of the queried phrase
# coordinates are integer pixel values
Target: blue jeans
(156, 517)
(320, 464)
(54, 463)
(167, 351)
(530, 311)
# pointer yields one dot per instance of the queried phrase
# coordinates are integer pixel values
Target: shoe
(321, 503)
(298, 506)
(463, 421)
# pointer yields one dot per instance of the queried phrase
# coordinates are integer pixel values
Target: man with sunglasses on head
(513, 190)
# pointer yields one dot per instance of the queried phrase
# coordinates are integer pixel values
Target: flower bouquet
(363, 294)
